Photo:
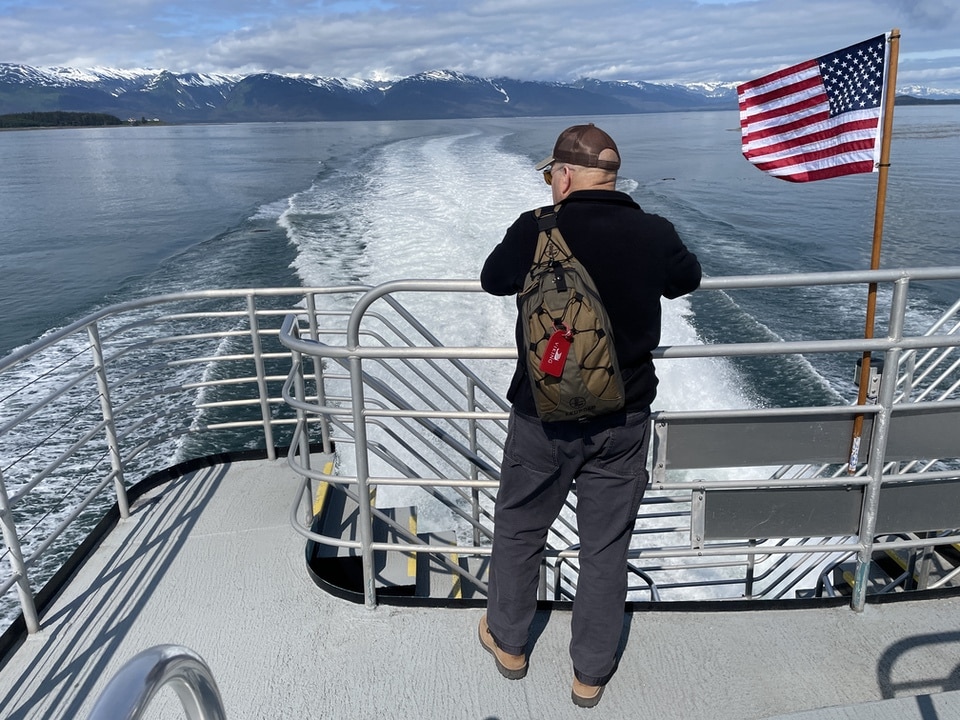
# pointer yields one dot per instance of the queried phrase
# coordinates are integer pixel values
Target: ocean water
(90, 217)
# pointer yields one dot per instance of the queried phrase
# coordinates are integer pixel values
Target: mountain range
(198, 97)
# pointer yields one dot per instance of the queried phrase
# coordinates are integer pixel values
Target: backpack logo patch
(555, 355)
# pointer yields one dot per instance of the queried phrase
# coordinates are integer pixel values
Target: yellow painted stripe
(849, 577)
(457, 584)
(322, 488)
(412, 559)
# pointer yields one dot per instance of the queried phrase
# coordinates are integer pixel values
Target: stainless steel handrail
(135, 387)
(129, 693)
(356, 356)
(96, 406)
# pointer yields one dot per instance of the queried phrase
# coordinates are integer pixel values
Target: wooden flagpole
(887, 131)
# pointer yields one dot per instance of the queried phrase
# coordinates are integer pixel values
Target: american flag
(818, 119)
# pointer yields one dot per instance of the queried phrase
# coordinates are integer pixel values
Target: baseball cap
(582, 145)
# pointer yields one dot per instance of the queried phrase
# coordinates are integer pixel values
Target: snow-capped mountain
(199, 97)
(196, 97)
(920, 91)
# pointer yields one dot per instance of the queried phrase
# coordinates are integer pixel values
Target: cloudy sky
(652, 40)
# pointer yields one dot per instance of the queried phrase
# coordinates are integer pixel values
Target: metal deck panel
(210, 561)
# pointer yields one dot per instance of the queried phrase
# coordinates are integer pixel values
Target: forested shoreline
(58, 118)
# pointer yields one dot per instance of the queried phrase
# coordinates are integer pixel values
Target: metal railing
(93, 408)
(401, 437)
(130, 692)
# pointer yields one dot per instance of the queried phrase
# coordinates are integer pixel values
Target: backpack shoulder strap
(549, 235)
(547, 216)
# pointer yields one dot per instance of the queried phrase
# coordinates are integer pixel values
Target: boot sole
(586, 702)
(508, 673)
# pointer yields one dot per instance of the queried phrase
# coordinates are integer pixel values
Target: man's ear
(566, 180)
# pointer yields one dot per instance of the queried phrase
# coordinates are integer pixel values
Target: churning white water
(434, 208)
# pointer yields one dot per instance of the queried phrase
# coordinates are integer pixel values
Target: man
(634, 259)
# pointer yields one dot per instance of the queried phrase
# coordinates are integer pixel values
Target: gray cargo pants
(607, 457)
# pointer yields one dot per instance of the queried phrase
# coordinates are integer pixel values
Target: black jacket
(633, 257)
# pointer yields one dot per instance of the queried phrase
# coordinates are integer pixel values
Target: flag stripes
(818, 119)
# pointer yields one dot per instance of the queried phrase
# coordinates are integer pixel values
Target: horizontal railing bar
(727, 484)
(395, 481)
(56, 464)
(222, 359)
(916, 543)
(669, 352)
(7, 584)
(845, 277)
(45, 401)
(925, 475)
(141, 303)
(68, 520)
(763, 413)
(229, 382)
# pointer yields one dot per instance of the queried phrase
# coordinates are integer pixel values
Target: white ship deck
(210, 561)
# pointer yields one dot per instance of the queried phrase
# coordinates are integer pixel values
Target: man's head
(583, 157)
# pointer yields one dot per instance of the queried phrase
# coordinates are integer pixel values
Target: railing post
(318, 374)
(878, 446)
(299, 390)
(365, 517)
(907, 376)
(363, 486)
(750, 571)
(106, 407)
(17, 565)
(474, 448)
(265, 413)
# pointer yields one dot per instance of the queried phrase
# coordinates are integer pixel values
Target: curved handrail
(355, 354)
(129, 692)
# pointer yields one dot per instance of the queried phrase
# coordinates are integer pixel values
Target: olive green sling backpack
(567, 334)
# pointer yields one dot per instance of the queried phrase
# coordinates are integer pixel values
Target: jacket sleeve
(683, 268)
(506, 267)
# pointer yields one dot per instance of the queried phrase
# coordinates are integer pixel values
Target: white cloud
(657, 40)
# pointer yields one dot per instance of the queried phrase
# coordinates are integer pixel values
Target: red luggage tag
(555, 355)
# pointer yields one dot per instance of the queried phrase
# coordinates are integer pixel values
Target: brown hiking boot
(512, 667)
(585, 696)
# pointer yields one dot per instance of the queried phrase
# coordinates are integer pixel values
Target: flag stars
(849, 76)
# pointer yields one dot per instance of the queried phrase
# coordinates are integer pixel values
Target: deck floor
(210, 561)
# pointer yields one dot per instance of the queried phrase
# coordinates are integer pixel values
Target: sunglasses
(548, 174)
